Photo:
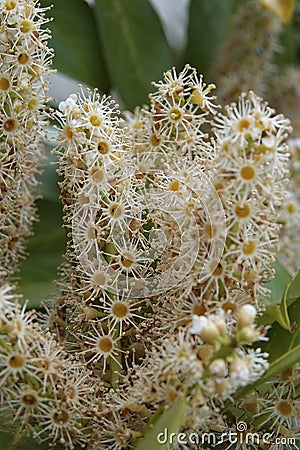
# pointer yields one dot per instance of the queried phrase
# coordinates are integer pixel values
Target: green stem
(116, 367)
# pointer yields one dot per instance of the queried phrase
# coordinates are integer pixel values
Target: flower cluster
(136, 197)
(204, 363)
(290, 213)
(25, 61)
(251, 172)
(163, 217)
(40, 388)
(245, 60)
(173, 219)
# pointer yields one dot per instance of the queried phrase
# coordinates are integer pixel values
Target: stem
(116, 367)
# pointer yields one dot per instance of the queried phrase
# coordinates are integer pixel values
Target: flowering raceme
(25, 62)
(172, 214)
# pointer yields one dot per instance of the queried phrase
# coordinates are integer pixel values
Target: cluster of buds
(25, 61)
(204, 364)
(245, 60)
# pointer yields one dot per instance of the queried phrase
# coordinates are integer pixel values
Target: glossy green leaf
(278, 283)
(135, 47)
(48, 243)
(45, 248)
(281, 339)
(76, 42)
(157, 437)
(276, 313)
(293, 288)
(288, 41)
(276, 305)
(207, 26)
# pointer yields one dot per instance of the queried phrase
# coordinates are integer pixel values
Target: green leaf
(48, 243)
(291, 293)
(45, 248)
(207, 27)
(157, 436)
(76, 42)
(135, 47)
(281, 339)
(293, 288)
(276, 313)
(288, 40)
(278, 283)
(276, 310)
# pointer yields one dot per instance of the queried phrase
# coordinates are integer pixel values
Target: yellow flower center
(61, 417)
(95, 120)
(218, 186)
(68, 132)
(174, 185)
(284, 408)
(175, 114)
(248, 173)
(32, 104)
(229, 306)
(242, 211)
(10, 125)
(29, 400)
(103, 147)
(291, 208)
(197, 97)
(244, 124)
(217, 270)
(154, 140)
(120, 310)
(199, 309)
(105, 345)
(116, 210)
(99, 279)
(26, 26)
(4, 84)
(23, 58)
(127, 259)
(10, 4)
(16, 361)
(249, 248)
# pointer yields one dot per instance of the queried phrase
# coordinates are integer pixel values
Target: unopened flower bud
(218, 368)
(198, 324)
(246, 315)
(247, 335)
(221, 325)
(210, 332)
